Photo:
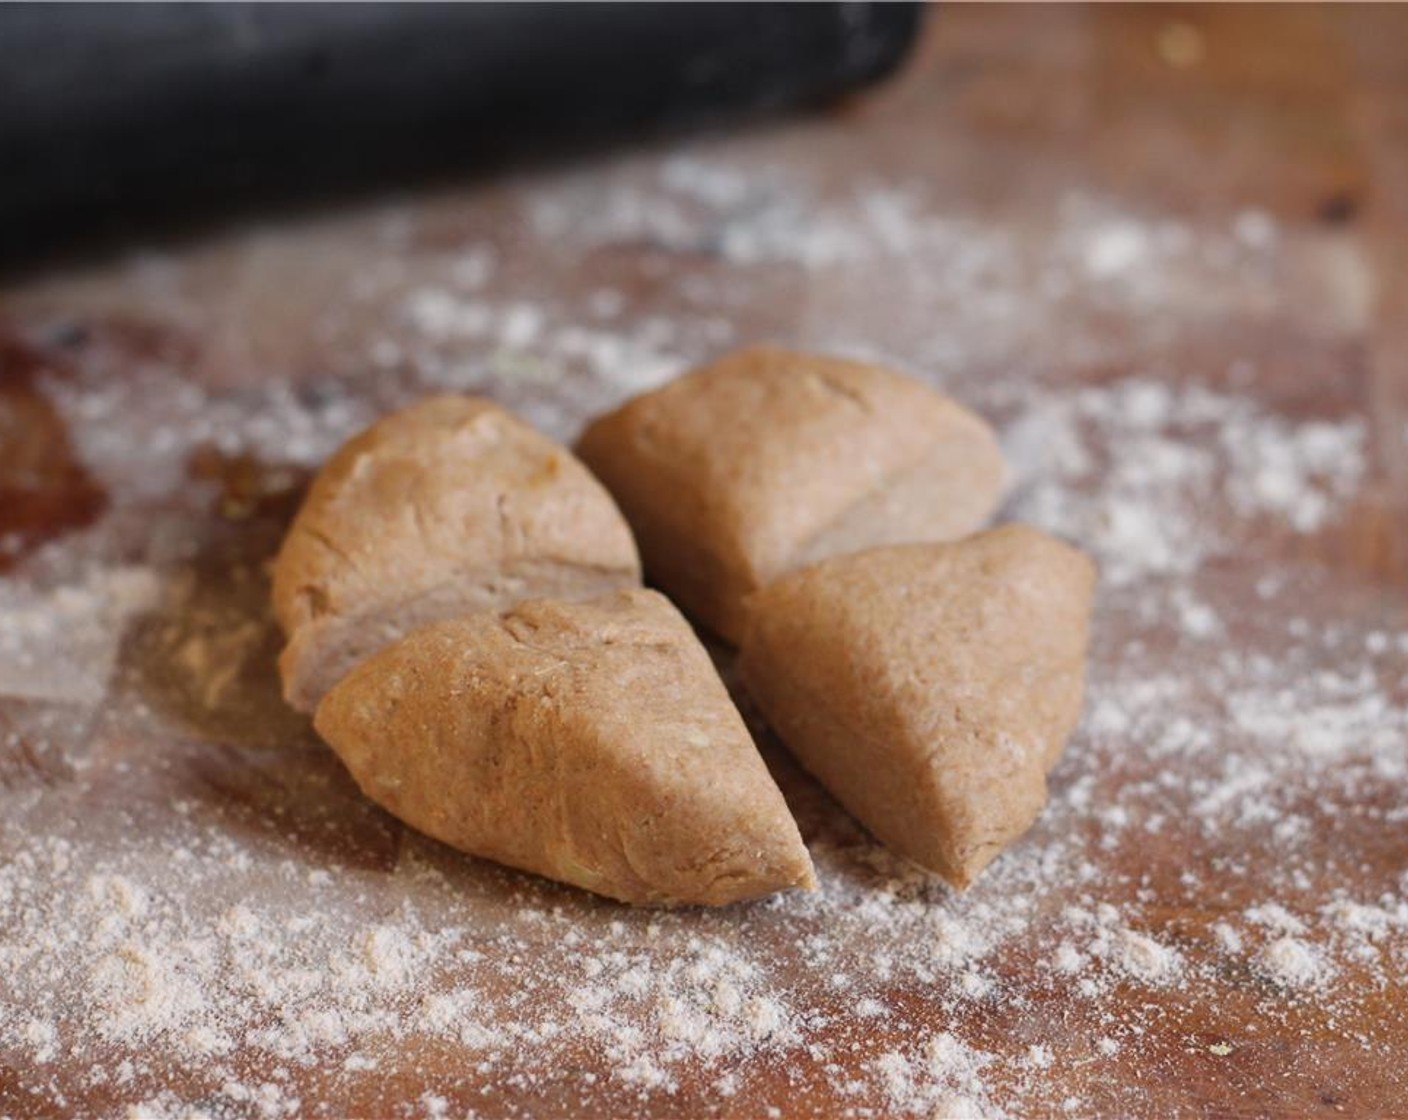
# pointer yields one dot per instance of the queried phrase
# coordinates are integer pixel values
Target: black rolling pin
(115, 115)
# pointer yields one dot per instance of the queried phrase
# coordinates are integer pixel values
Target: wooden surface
(1165, 249)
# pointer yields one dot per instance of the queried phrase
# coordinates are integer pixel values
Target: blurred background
(117, 120)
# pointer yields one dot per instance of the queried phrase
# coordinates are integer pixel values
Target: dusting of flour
(195, 921)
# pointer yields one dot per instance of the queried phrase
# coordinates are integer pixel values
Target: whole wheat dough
(769, 459)
(591, 742)
(929, 687)
(448, 506)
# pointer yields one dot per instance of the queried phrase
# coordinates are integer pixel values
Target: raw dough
(448, 506)
(590, 742)
(929, 687)
(769, 459)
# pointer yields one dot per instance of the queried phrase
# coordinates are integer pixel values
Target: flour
(58, 644)
(943, 1078)
(197, 921)
(40, 1035)
(1275, 917)
(1171, 455)
(1145, 958)
(1292, 963)
(1115, 248)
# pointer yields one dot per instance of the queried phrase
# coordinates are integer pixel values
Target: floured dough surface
(770, 458)
(591, 742)
(448, 506)
(929, 687)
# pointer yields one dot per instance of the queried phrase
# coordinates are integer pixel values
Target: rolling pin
(117, 117)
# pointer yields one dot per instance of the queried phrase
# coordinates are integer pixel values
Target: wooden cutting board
(1162, 248)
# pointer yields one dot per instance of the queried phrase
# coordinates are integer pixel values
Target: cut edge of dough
(322, 652)
(872, 520)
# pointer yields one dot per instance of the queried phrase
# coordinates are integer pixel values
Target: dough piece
(590, 742)
(929, 687)
(449, 506)
(769, 459)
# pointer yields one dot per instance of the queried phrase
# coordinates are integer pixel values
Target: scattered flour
(1182, 475)
(943, 1078)
(210, 928)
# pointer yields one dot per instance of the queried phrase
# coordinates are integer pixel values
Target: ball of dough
(590, 742)
(448, 506)
(929, 687)
(769, 459)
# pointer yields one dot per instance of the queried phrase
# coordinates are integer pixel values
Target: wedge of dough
(448, 506)
(769, 459)
(589, 742)
(929, 687)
